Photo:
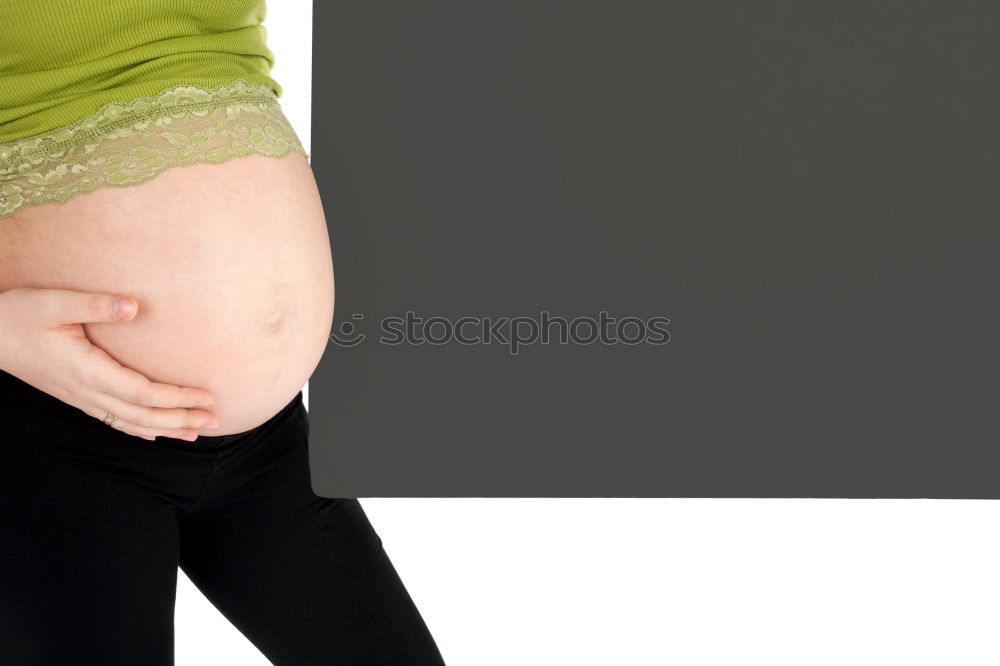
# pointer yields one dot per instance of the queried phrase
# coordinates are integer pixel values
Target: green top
(63, 59)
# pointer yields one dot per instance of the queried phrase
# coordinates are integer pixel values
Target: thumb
(63, 306)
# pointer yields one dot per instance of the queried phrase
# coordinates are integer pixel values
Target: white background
(684, 582)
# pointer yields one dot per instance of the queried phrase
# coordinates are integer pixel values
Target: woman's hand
(43, 343)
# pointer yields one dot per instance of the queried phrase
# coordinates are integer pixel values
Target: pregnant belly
(230, 264)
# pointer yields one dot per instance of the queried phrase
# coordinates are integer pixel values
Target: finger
(151, 435)
(111, 377)
(64, 306)
(156, 418)
(139, 431)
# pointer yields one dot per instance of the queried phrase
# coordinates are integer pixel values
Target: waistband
(16, 388)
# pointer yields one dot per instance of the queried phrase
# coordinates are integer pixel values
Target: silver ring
(110, 419)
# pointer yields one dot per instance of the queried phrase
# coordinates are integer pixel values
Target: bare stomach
(230, 264)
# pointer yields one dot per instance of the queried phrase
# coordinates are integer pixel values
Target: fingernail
(191, 438)
(123, 307)
(212, 426)
(206, 401)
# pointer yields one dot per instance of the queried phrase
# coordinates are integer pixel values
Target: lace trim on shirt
(128, 143)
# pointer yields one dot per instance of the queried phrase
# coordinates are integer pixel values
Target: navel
(275, 320)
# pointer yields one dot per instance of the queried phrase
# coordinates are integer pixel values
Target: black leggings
(94, 523)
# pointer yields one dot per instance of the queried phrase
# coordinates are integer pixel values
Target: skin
(229, 267)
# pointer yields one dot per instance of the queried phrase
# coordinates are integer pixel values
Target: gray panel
(807, 191)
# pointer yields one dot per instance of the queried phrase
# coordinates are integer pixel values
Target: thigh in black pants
(94, 524)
